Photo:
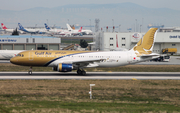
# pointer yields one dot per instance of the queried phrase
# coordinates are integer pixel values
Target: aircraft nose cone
(13, 60)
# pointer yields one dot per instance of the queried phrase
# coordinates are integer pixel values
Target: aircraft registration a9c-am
(66, 61)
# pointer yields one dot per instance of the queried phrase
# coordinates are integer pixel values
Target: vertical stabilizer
(146, 44)
(80, 29)
(69, 27)
(20, 26)
(46, 26)
(3, 26)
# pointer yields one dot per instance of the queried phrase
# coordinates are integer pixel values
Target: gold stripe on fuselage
(41, 57)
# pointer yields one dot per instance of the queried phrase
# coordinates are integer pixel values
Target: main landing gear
(30, 71)
(81, 72)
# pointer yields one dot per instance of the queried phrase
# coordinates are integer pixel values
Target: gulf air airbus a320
(66, 61)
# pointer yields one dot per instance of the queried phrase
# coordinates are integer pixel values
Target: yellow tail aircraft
(66, 61)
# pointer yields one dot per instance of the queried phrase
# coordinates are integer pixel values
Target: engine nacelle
(64, 67)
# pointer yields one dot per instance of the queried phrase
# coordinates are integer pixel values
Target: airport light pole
(136, 26)
(112, 22)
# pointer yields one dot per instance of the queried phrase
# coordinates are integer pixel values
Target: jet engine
(62, 67)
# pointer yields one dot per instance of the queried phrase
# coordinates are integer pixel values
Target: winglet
(145, 45)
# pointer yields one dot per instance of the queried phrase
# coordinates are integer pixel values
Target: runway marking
(134, 79)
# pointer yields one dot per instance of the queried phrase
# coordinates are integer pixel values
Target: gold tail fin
(145, 45)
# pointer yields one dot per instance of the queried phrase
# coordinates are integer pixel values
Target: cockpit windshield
(20, 55)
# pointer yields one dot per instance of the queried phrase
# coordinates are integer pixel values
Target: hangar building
(25, 42)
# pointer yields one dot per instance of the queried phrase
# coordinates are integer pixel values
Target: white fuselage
(88, 32)
(109, 59)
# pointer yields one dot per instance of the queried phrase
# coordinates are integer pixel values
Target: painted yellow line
(134, 79)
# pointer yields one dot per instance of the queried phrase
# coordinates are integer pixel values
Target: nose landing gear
(30, 71)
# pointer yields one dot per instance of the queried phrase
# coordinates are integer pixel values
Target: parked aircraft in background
(52, 31)
(83, 31)
(87, 32)
(80, 31)
(8, 54)
(66, 61)
(6, 29)
(32, 31)
(70, 31)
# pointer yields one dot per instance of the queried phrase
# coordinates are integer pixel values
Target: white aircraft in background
(9, 30)
(32, 31)
(66, 61)
(52, 31)
(60, 31)
(6, 29)
(71, 31)
(88, 32)
(8, 54)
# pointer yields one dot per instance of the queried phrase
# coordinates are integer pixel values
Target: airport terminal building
(109, 41)
(25, 42)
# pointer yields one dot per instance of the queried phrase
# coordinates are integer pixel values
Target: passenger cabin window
(111, 44)
(173, 44)
(111, 38)
(123, 44)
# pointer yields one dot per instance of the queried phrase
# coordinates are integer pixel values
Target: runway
(92, 75)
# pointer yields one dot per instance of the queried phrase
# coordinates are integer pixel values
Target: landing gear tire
(30, 72)
(79, 72)
(83, 72)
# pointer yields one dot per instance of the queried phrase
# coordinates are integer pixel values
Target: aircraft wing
(89, 63)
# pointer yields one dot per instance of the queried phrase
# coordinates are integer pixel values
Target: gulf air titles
(66, 61)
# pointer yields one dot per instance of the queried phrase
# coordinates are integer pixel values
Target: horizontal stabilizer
(150, 55)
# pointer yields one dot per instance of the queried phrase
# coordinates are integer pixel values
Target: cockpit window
(20, 55)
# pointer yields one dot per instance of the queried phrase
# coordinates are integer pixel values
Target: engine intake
(64, 67)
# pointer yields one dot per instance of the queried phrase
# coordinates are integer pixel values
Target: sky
(17, 5)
